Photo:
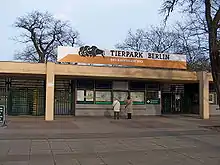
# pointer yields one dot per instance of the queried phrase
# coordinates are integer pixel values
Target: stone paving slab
(152, 141)
(17, 163)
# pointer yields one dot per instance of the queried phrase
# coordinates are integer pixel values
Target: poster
(121, 96)
(80, 95)
(211, 98)
(103, 96)
(137, 96)
(89, 95)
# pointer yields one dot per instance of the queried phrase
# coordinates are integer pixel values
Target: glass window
(137, 97)
(152, 86)
(103, 97)
(103, 84)
(85, 97)
(120, 85)
(80, 95)
(121, 96)
(85, 84)
(211, 87)
(136, 85)
(89, 95)
(152, 95)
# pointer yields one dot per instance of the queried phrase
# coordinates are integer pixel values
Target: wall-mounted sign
(94, 55)
(2, 114)
(153, 101)
(212, 98)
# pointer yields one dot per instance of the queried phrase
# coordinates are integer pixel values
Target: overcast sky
(100, 22)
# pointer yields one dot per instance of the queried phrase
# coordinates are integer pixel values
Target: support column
(203, 95)
(49, 114)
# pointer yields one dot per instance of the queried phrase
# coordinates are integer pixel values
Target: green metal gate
(172, 98)
(26, 96)
(3, 92)
(63, 97)
(166, 103)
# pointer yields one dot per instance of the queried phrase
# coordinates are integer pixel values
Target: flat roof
(8, 67)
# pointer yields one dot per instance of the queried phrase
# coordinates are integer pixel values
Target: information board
(103, 96)
(2, 114)
(80, 95)
(137, 96)
(89, 95)
(121, 96)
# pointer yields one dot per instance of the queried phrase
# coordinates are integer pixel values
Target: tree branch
(208, 14)
(216, 18)
(45, 33)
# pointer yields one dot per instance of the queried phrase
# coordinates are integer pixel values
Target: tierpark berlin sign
(94, 55)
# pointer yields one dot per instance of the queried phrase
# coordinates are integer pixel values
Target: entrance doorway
(64, 100)
(172, 103)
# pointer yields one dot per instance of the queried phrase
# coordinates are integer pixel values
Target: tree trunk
(215, 61)
(214, 54)
(41, 58)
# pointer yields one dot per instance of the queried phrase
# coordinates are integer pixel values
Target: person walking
(128, 107)
(116, 107)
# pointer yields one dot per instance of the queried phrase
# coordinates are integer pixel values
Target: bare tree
(209, 13)
(42, 33)
(179, 40)
(194, 47)
(134, 41)
(155, 39)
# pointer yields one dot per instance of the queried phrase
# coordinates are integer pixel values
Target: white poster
(137, 96)
(104, 96)
(121, 96)
(80, 95)
(89, 95)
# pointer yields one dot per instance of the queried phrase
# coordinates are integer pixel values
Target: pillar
(203, 95)
(49, 112)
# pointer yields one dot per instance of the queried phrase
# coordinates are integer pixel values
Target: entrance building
(85, 80)
(57, 89)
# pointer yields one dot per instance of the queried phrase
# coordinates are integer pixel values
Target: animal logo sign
(90, 54)
(93, 51)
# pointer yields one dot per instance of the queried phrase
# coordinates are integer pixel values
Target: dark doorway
(64, 97)
(172, 98)
(172, 103)
(191, 98)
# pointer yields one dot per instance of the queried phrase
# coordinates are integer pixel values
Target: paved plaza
(162, 140)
